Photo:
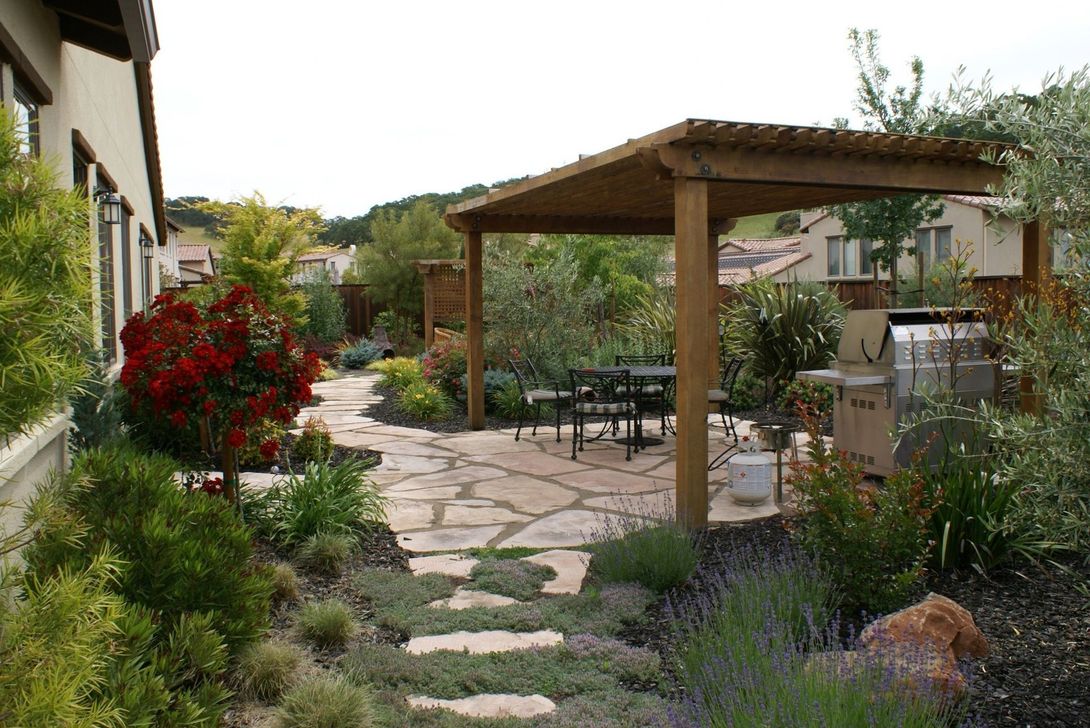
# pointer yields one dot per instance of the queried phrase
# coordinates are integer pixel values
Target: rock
(470, 599)
(936, 621)
(570, 568)
(489, 705)
(479, 643)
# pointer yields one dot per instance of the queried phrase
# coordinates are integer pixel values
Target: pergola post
(428, 271)
(474, 329)
(1036, 267)
(691, 253)
(713, 312)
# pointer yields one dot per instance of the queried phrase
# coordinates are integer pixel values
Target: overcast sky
(343, 104)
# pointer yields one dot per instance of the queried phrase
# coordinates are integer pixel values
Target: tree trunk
(230, 471)
(893, 284)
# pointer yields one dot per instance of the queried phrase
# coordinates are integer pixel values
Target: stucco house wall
(97, 106)
(995, 252)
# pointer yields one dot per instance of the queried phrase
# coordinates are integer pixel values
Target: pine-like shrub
(324, 307)
(360, 354)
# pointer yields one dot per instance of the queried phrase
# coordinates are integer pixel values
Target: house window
(106, 285)
(933, 247)
(126, 263)
(866, 265)
(26, 120)
(849, 257)
(834, 255)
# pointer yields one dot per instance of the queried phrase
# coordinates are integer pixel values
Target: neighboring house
(168, 254)
(337, 261)
(745, 259)
(77, 77)
(195, 264)
(996, 248)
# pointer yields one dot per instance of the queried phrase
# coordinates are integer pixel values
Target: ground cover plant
(513, 578)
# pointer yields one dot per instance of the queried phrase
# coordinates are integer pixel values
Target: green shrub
(646, 548)
(45, 284)
(749, 391)
(184, 552)
(327, 624)
(495, 381)
(326, 702)
(326, 553)
(266, 669)
(784, 328)
(360, 354)
(424, 401)
(399, 372)
(324, 499)
(507, 401)
(285, 584)
(444, 366)
(324, 308)
(256, 452)
(97, 412)
(873, 539)
(513, 578)
(314, 443)
(650, 326)
(815, 395)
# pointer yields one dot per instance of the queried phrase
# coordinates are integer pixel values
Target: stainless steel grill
(884, 358)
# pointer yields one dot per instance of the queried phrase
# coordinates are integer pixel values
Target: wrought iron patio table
(642, 374)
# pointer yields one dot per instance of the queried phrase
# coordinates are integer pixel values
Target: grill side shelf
(840, 378)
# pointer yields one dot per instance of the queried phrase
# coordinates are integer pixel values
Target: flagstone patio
(455, 491)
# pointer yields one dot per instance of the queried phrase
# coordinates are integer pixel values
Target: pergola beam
(560, 224)
(876, 171)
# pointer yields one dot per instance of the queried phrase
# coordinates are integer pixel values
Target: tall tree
(261, 244)
(890, 222)
(386, 264)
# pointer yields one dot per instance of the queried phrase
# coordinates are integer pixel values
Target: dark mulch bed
(387, 412)
(1035, 617)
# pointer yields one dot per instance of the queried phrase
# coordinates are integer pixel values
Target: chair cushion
(604, 408)
(717, 395)
(544, 395)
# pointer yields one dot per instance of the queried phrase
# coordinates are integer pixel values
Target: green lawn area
(756, 226)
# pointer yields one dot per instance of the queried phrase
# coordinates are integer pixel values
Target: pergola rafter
(691, 180)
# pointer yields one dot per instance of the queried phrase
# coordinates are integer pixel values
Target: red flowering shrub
(444, 366)
(238, 364)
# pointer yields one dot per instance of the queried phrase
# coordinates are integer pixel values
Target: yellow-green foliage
(398, 372)
(425, 401)
(260, 246)
(45, 285)
(54, 650)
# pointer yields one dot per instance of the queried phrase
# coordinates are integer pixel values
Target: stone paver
(563, 528)
(570, 568)
(481, 516)
(471, 598)
(457, 565)
(489, 705)
(447, 539)
(530, 495)
(479, 643)
(455, 491)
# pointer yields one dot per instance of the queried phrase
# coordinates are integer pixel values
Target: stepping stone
(411, 464)
(449, 564)
(570, 568)
(480, 643)
(563, 528)
(405, 515)
(609, 482)
(532, 463)
(480, 516)
(653, 505)
(471, 474)
(489, 705)
(405, 446)
(448, 539)
(470, 598)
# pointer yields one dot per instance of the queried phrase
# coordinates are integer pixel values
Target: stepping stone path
(570, 568)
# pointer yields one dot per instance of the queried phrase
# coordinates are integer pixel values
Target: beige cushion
(717, 395)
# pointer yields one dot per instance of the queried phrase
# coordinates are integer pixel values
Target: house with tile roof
(76, 76)
(968, 222)
(196, 263)
(744, 259)
(335, 261)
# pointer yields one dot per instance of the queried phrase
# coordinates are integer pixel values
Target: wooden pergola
(692, 180)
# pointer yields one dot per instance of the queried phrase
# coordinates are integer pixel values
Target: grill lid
(867, 333)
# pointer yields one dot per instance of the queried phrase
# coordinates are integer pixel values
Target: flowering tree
(236, 364)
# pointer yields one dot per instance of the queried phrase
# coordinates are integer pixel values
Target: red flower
(178, 418)
(236, 438)
(209, 405)
(269, 448)
(267, 361)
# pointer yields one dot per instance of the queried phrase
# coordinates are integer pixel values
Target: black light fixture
(110, 205)
(147, 246)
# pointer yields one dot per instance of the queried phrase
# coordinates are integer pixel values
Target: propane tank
(749, 474)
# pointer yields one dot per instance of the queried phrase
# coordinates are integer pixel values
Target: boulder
(936, 622)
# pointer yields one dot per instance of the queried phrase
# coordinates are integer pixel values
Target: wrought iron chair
(602, 394)
(724, 398)
(650, 392)
(534, 392)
